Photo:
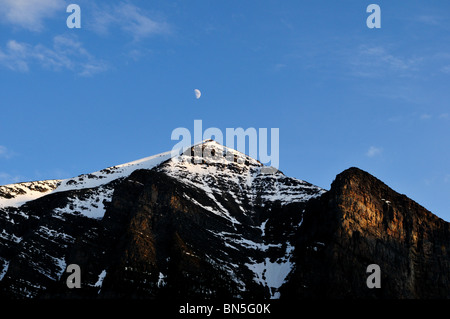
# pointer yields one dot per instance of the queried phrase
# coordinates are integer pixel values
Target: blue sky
(74, 101)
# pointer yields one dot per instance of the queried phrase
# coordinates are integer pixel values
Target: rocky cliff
(185, 227)
(361, 221)
(188, 227)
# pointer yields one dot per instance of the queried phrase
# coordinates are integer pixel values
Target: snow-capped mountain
(241, 209)
(211, 223)
(15, 195)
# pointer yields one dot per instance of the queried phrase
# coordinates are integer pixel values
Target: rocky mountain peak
(361, 221)
(211, 222)
(212, 209)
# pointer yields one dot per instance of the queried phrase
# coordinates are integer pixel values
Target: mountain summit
(176, 225)
(359, 222)
(163, 224)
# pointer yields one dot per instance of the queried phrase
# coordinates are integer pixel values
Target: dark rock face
(157, 244)
(161, 243)
(209, 230)
(359, 222)
(217, 229)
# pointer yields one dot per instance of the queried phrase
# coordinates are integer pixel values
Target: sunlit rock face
(361, 221)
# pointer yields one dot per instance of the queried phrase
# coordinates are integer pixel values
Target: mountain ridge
(186, 226)
(237, 196)
(362, 221)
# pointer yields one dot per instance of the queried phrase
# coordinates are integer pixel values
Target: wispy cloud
(5, 152)
(382, 60)
(414, 117)
(66, 52)
(6, 178)
(374, 151)
(29, 14)
(279, 67)
(377, 61)
(447, 178)
(433, 20)
(425, 116)
(428, 116)
(55, 173)
(130, 19)
(427, 19)
(446, 69)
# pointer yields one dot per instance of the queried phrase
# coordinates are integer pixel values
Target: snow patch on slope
(15, 195)
(272, 274)
(5, 268)
(91, 206)
(243, 178)
(110, 174)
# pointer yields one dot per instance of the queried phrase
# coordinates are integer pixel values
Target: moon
(197, 93)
